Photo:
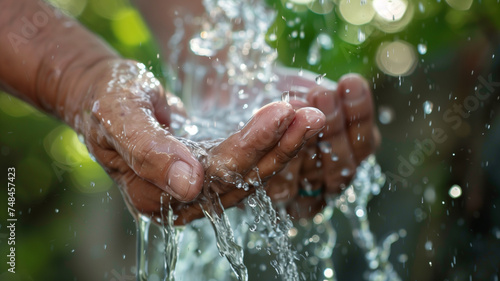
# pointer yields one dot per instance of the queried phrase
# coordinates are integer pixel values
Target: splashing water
(257, 232)
(239, 61)
(352, 203)
(274, 228)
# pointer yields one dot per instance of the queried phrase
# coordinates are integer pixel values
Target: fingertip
(354, 88)
(280, 114)
(184, 180)
(352, 78)
(286, 107)
(314, 118)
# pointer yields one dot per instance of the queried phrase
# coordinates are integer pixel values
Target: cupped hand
(328, 161)
(125, 120)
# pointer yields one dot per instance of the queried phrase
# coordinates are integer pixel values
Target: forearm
(45, 56)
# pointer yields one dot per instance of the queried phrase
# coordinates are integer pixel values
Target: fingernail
(355, 92)
(317, 120)
(309, 134)
(179, 179)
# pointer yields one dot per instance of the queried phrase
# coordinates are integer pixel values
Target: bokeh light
(71, 7)
(321, 6)
(455, 191)
(71, 157)
(392, 16)
(396, 58)
(390, 10)
(14, 107)
(129, 28)
(108, 9)
(357, 12)
(462, 5)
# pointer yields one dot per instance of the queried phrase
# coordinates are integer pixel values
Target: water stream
(258, 240)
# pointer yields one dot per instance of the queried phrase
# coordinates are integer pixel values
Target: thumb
(148, 149)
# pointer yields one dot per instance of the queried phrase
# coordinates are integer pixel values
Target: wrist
(107, 76)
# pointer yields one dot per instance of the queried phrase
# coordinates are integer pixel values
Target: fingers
(307, 123)
(128, 125)
(239, 153)
(357, 103)
(293, 79)
(338, 162)
(161, 109)
(139, 193)
(269, 141)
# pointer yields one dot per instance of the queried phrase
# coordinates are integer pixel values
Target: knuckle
(283, 156)
(140, 147)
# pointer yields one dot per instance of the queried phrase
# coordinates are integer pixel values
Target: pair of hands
(125, 119)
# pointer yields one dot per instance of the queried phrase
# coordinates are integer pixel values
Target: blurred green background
(429, 58)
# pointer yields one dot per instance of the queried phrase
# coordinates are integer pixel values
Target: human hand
(328, 161)
(125, 120)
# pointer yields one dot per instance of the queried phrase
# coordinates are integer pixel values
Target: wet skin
(351, 135)
(123, 112)
(125, 124)
(142, 156)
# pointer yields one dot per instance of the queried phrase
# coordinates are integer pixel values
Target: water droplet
(314, 55)
(361, 36)
(345, 172)
(252, 202)
(428, 245)
(455, 191)
(335, 157)
(328, 272)
(325, 147)
(242, 95)
(360, 212)
(285, 96)
(57, 211)
(252, 227)
(319, 78)
(428, 106)
(81, 138)
(422, 49)
(421, 7)
(191, 129)
(385, 115)
(325, 41)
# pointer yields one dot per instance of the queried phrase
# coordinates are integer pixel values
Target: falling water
(353, 204)
(257, 231)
